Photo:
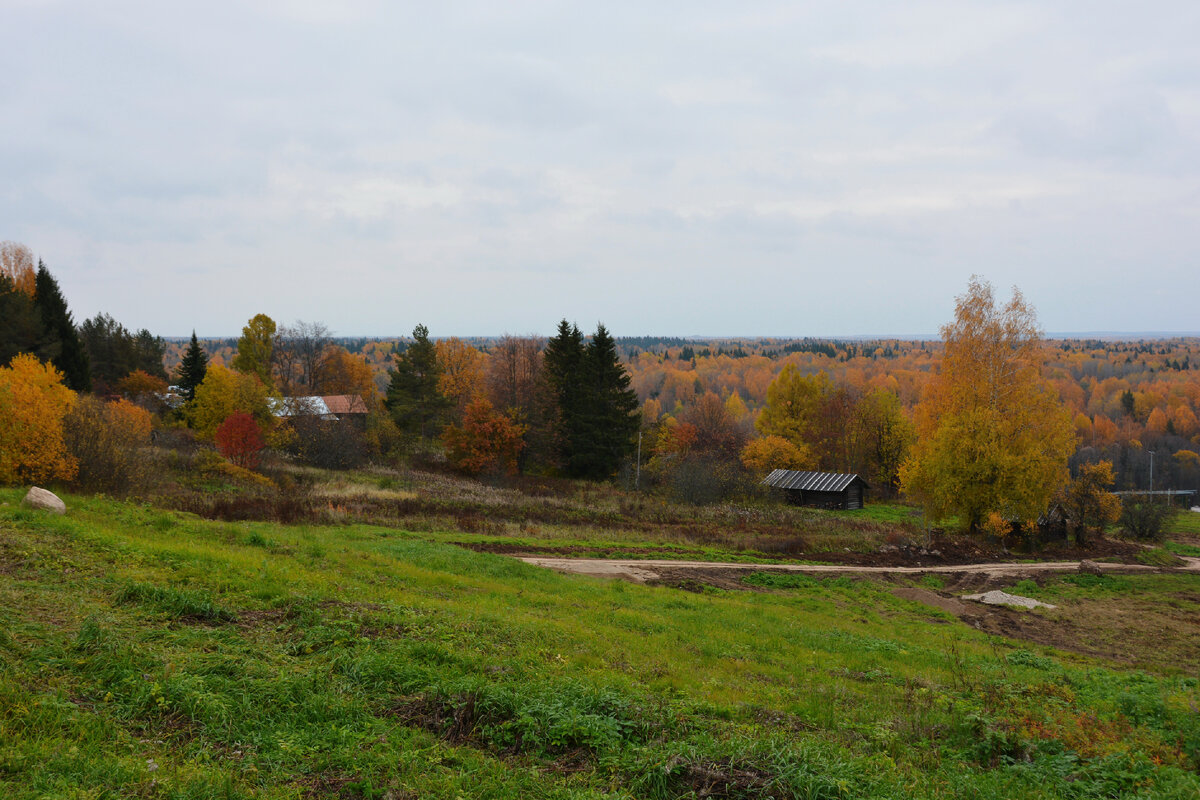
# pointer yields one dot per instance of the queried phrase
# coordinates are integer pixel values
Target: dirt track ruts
(642, 570)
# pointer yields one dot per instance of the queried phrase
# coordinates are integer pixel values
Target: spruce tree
(609, 423)
(192, 369)
(597, 410)
(59, 331)
(413, 398)
(563, 364)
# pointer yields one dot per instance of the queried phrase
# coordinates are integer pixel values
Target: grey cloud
(590, 160)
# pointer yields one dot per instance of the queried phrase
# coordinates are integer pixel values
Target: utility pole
(637, 473)
(1151, 452)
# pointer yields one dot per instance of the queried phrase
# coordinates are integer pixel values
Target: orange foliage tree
(33, 403)
(485, 442)
(993, 437)
(140, 383)
(460, 371)
(769, 453)
(346, 373)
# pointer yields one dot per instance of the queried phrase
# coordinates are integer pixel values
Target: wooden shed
(820, 489)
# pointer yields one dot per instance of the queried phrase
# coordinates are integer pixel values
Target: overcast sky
(684, 168)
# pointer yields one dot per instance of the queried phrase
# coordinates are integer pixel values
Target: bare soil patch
(697, 580)
(1155, 633)
(1139, 632)
(947, 603)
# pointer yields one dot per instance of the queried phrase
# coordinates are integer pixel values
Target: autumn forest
(703, 420)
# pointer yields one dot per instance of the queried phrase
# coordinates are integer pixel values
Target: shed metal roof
(811, 481)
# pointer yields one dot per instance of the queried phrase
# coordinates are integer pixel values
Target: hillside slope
(151, 654)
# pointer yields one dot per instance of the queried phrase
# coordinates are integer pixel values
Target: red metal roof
(345, 404)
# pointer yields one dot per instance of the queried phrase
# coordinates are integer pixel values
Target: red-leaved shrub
(240, 440)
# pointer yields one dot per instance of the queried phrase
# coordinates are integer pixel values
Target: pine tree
(192, 369)
(413, 399)
(59, 331)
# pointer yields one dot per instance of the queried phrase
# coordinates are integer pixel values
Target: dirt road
(643, 570)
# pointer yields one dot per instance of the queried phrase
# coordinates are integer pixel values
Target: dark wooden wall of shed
(850, 498)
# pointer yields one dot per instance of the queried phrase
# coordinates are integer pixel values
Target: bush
(1143, 518)
(328, 444)
(382, 439)
(701, 481)
(240, 440)
(108, 441)
(486, 442)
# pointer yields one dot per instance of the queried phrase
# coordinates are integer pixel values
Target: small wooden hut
(834, 490)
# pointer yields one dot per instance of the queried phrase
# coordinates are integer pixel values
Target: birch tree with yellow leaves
(993, 438)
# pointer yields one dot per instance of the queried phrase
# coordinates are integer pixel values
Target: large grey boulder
(999, 598)
(47, 501)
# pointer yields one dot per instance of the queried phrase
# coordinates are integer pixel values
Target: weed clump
(179, 604)
(567, 717)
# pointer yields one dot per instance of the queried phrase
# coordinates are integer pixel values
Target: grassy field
(151, 654)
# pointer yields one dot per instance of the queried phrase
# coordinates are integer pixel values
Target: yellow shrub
(33, 402)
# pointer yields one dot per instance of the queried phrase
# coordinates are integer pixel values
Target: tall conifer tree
(413, 398)
(66, 351)
(610, 420)
(597, 409)
(192, 369)
(563, 364)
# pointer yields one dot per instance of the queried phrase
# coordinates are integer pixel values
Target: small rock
(1090, 567)
(937, 553)
(889, 548)
(47, 501)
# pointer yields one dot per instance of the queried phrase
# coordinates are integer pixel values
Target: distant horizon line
(858, 337)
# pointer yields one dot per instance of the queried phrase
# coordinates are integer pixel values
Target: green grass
(894, 513)
(151, 654)
(1181, 549)
(1159, 557)
(1185, 522)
